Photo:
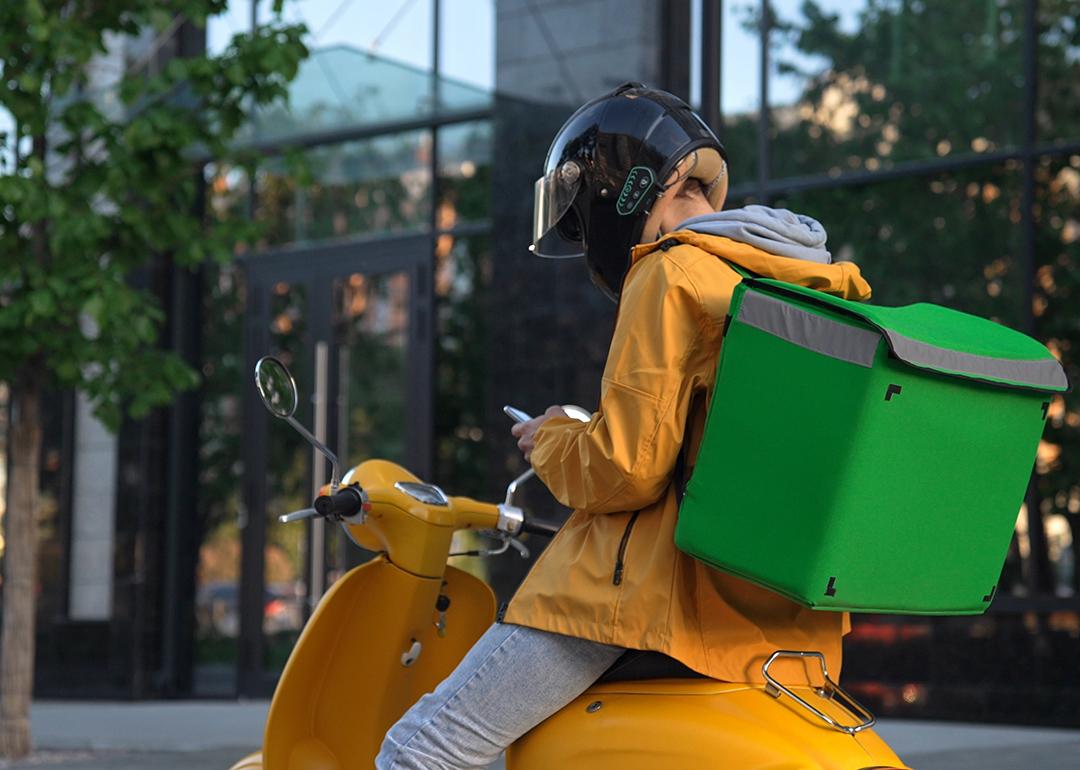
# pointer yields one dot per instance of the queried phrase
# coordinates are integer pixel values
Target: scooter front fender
(345, 683)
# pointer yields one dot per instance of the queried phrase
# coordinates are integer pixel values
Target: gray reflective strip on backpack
(1039, 373)
(808, 330)
(858, 346)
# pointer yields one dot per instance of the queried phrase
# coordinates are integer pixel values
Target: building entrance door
(353, 323)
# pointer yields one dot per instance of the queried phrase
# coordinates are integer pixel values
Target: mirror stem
(335, 466)
(512, 489)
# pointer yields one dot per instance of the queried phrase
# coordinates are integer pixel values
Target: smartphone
(515, 414)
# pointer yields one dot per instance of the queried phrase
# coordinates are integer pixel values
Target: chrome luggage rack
(831, 691)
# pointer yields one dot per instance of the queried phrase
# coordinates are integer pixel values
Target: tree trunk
(20, 557)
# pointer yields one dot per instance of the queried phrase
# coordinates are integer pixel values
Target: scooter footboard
(347, 681)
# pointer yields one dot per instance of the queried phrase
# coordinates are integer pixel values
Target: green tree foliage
(92, 192)
(99, 177)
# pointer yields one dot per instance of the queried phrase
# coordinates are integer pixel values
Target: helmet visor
(556, 231)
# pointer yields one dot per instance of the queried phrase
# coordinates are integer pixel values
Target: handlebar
(343, 504)
(542, 528)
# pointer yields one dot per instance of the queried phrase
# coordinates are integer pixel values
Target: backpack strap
(742, 271)
(680, 475)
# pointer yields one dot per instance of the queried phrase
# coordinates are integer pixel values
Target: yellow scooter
(390, 630)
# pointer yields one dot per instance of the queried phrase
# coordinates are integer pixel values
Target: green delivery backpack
(866, 458)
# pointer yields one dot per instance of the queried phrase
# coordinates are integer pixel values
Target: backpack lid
(942, 340)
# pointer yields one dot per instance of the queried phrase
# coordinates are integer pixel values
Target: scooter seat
(642, 665)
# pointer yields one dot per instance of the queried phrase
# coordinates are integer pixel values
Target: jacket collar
(841, 278)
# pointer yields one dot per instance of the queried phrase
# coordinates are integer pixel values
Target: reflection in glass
(4, 397)
(371, 327)
(464, 173)
(1057, 291)
(862, 86)
(340, 86)
(1058, 113)
(288, 484)
(371, 330)
(740, 76)
(463, 275)
(217, 596)
(399, 31)
(228, 196)
(467, 45)
(52, 520)
(951, 239)
(369, 186)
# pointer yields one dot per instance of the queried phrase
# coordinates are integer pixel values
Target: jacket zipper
(616, 579)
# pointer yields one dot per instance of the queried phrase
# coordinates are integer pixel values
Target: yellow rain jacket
(613, 573)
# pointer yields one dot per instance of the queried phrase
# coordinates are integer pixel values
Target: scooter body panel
(680, 724)
(345, 684)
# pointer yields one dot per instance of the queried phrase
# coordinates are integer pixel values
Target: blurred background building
(937, 140)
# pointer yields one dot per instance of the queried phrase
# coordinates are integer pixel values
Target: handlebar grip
(344, 503)
(538, 527)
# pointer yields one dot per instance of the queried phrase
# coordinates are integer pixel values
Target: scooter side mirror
(277, 388)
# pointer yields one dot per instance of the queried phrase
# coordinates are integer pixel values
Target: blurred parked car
(217, 608)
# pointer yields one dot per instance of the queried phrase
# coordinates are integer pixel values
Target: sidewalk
(178, 735)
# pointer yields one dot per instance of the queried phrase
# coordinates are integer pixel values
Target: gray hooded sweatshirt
(777, 231)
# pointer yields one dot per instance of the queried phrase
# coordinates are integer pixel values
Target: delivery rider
(634, 183)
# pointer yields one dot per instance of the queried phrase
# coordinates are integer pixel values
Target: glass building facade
(938, 142)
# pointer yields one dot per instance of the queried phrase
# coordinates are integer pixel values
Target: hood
(777, 231)
(843, 279)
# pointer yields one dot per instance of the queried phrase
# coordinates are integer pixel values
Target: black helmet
(607, 166)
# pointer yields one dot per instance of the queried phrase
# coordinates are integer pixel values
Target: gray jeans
(510, 681)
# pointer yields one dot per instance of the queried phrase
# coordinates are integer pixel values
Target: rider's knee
(392, 756)
(395, 756)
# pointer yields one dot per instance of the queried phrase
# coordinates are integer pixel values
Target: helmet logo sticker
(638, 182)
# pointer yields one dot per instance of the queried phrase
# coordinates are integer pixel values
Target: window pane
(228, 189)
(371, 333)
(275, 203)
(217, 597)
(857, 85)
(466, 53)
(695, 54)
(464, 173)
(340, 86)
(399, 31)
(1057, 290)
(288, 482)
(370, 63)
(463, 449)
(999, 667)
(370, 343)
(1059, 70)
(369, 186)
(739, 89)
